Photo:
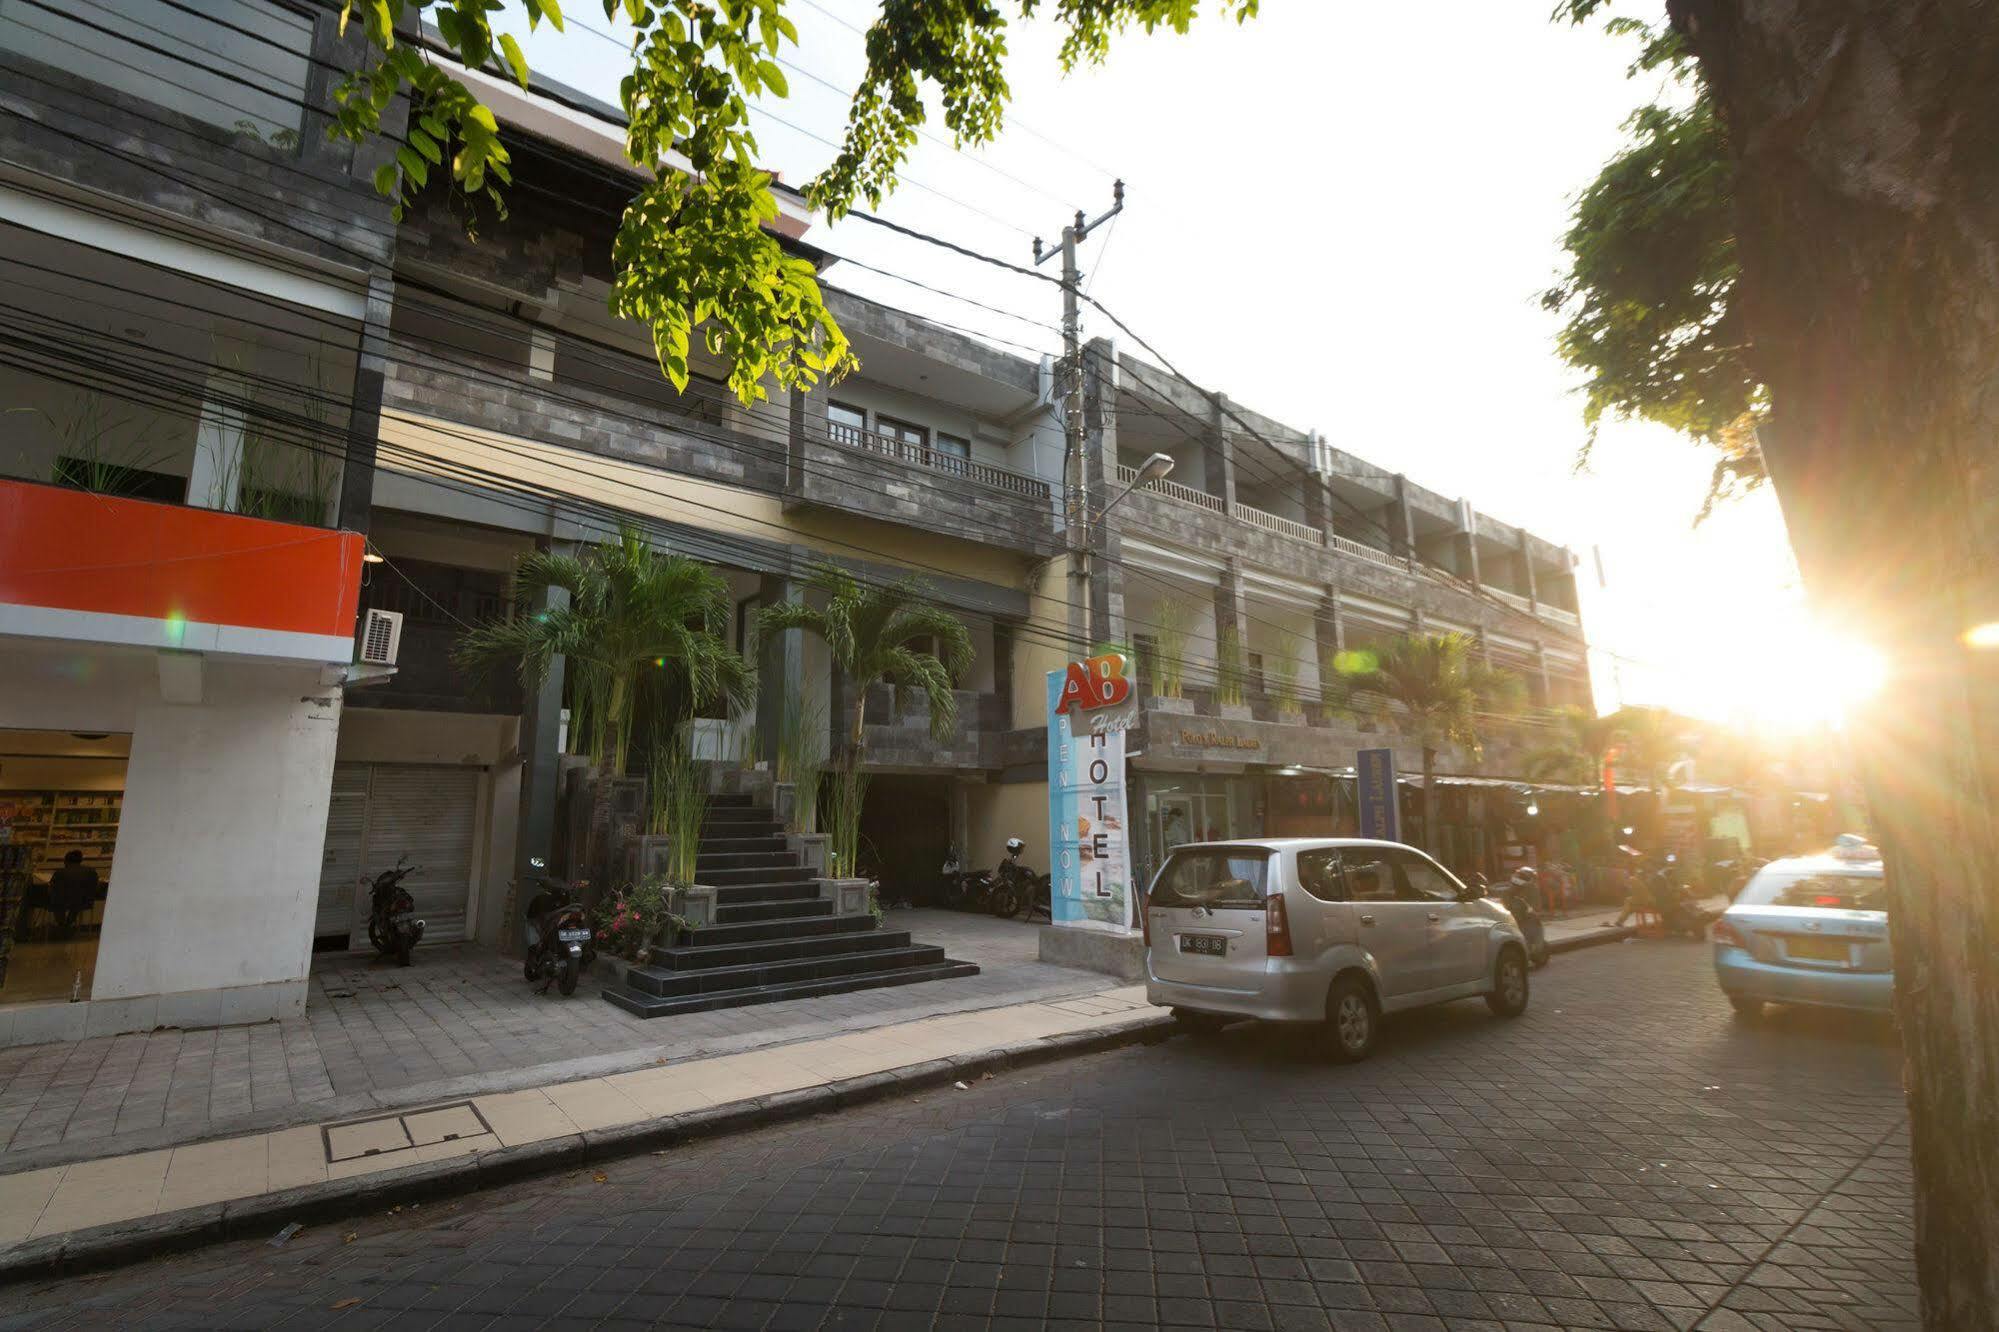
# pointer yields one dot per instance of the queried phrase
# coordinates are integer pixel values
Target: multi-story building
(216, 326)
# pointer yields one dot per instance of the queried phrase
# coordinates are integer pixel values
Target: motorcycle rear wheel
(565, 980)
(375, 936)
(1006, 900)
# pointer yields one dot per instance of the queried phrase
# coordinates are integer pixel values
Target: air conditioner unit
(381, 636)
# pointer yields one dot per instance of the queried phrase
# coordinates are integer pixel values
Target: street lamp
(1152, 469)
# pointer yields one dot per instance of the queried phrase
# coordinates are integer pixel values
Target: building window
(912, 437)
(954, 445)
(850, 418)
(238, 65)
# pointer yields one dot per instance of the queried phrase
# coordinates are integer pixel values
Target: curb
(127, 1241)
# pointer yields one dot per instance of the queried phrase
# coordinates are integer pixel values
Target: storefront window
(61, 797)
(1188, 808)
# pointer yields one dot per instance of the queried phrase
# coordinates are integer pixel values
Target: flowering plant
(635, 915)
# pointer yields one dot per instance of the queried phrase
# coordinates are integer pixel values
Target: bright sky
(1341, 215)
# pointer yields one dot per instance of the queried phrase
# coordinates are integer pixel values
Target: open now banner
(1088, 828)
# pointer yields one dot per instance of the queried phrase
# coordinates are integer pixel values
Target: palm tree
(871, 632)
(633, 612)
(1433, 689)
(1576, 755)
(1646, 741)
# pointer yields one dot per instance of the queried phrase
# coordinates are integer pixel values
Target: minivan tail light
(1728, 936)
(1276, 927)
(1145, 918)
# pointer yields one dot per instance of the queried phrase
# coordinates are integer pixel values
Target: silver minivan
(1332, 930)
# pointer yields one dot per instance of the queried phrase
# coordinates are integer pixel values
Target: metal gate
(380, 811)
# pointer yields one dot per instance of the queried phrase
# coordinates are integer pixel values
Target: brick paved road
(1626, 1156)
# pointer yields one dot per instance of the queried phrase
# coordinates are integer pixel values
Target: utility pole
(1084, 617)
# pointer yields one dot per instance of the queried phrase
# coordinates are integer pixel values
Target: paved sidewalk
(200, 1187)
(1576, 929)
(460, 1022)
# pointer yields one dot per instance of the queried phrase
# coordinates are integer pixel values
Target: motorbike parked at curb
(392, 927)
(976, 889)
(560, 942)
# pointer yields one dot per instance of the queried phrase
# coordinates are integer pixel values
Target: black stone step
(762, 930)
(766, 892)
(734, 814)
(705, 859)
(733, 846)
(715, 832)
(650, 1006)
(723, 878)
(738, 913)
(732, 800)
(681, 957)
(661, 981)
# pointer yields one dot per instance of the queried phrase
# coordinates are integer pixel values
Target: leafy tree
(633, 612)
(693, 254)
(873, 632)
(1432, 688)
(1858, 148)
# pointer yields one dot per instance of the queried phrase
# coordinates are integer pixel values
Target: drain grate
(404, 1131)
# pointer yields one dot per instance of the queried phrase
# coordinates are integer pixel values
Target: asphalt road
(1627, 1155)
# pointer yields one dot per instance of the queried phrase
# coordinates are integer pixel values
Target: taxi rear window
(1835, 891)
(1218, 876)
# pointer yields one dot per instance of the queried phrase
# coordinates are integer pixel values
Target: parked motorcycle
(392, 925)
(978, 890)
(560, 942)
(1021, 887)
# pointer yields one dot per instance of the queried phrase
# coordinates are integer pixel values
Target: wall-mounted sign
(1218, 740)
(1374, 790)
(1097, 695)
(1087, 825)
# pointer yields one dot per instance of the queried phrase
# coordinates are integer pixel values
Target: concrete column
(1232, 613)
(1468, 562)
(1541, 665)
(541, 761)
(1106, 619)
(1328, 634)
(215, 479)
(780, 668)
(1221, 453)
(1527, 573)
(1403, 525)
(364, 416)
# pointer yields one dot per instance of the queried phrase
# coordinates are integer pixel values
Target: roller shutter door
(381, 811)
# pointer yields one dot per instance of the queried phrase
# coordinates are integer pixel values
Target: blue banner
(1087, 838)
(1374, 789)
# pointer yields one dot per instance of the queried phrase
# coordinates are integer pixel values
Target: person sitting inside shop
(72, 890)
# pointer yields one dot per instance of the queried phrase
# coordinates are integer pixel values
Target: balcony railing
(937, 460)
(1560, 616)
(1285, 527)
(1174, 490)
(1360, 550)
(1513, 599)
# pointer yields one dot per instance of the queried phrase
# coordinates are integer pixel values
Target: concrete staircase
(774, 936)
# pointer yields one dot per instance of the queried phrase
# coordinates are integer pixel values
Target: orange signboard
(72, 550)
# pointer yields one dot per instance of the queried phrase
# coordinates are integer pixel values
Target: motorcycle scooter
(392, 928)
(560, 942)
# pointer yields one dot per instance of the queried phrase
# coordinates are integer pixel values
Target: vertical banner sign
(1374, 788)
(1087, 830)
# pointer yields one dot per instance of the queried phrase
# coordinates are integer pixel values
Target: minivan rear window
(1219, 876)
(1838, 892)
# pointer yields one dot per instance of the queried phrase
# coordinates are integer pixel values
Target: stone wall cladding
(581, 418)
(318, 200)
(1219, 537)
(874, 486)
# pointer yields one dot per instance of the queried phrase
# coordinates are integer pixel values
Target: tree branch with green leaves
(695, 256)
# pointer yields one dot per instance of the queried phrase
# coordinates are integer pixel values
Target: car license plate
(1805, 949)
(1207, 945)
(573, 936)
